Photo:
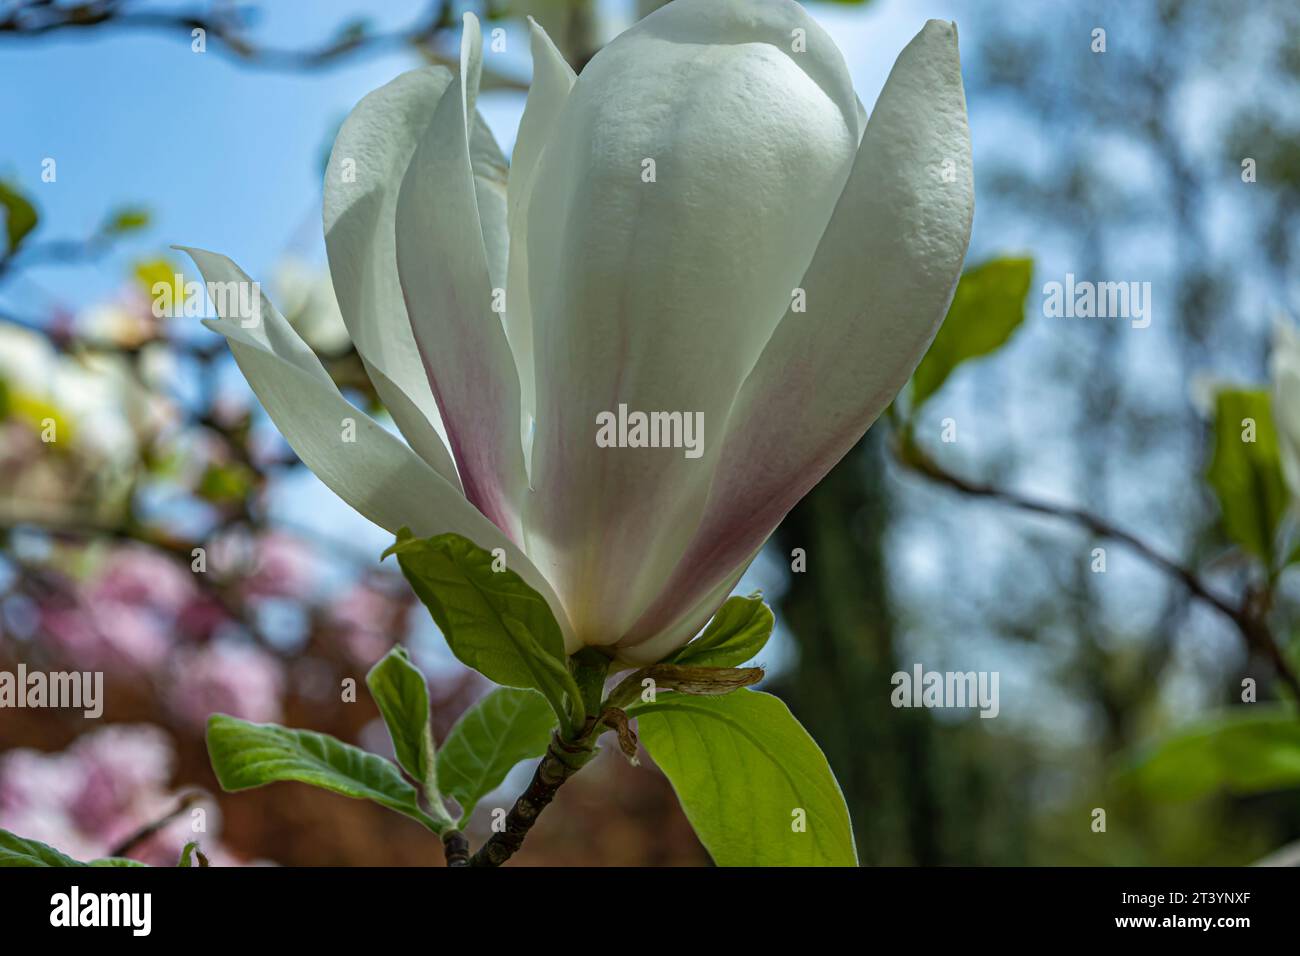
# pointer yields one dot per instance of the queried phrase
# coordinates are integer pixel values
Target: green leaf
(987, 307)
(1244, 751)
(402, 693)
(736, 634)
(19, 851)
(492, 620)
(246, 755)
(20, 216)
(1247, 475)
(494, 735)
(115, 861)
(127, 219)
(226, 482)
(743, 768)
(188, 853)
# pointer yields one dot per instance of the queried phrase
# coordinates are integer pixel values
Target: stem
(149, 829)
(456, 847)
(563, 759)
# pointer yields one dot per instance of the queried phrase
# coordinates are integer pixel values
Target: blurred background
(964, 532)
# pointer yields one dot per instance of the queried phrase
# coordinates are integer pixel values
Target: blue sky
(228, 157)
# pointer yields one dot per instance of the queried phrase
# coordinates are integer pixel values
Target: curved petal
(446, 282)
(486, 160)
(685, 626)
(659, 293)
(552, 80)
(1285, 372)
(375, 473)
(372, 150)
(877, 291)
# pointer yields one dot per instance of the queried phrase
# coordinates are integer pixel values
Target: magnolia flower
(704, 222)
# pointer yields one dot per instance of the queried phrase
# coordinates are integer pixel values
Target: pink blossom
(201, 617)
(282, 567)
(107, 636)
(226, 677)
(102, 789)
(143, 577)
(368, 622)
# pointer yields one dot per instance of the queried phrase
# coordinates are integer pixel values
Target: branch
(1250, 622)
(39, 19)
(562, 760)
(456, 847)
(149, 829)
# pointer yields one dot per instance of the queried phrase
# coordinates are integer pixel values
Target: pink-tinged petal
(372, 469)
(877, 291)
(443, 265)
(659, 293)
(684, 626)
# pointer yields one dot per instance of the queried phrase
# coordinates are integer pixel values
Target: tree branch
(1246, 616)
(562, 760)
(149, 829)
(35, 19)
(456, 847)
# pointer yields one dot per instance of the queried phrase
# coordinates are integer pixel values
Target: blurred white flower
(306, 297)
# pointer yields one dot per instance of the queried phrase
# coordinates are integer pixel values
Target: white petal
(376, 474)
(1285, 368)
(444, 271)
(552, 80)
(372, 150)
(489, 165)
(686, 625)
(660, 295)
(877, 290)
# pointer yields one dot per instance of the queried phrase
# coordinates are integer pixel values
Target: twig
(562, 760)
(456, 848)
(145, 832)
(1254, 629)
(39, 19)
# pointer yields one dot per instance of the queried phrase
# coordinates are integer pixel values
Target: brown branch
(148, 830)
(1248, 620)
(455, 847)
(40, 19)
(562, 760)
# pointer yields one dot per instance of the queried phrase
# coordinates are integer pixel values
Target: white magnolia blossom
(704, 222)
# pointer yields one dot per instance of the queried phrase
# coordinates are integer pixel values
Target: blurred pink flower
(237, 679)
(145, 578)
(109, 635)
(92, 794)
(368, 622)
(100, 790)
(283, 567)
(123, 768)
(201, 617)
